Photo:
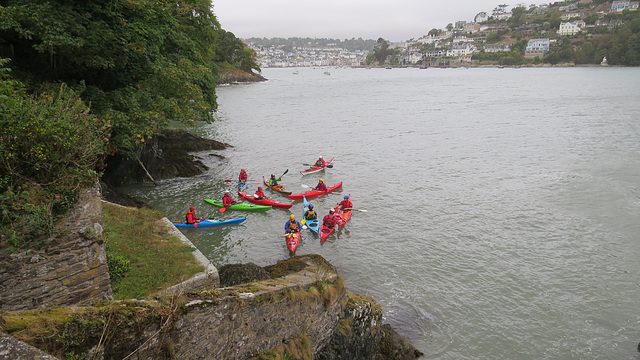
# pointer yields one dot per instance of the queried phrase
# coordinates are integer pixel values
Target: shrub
(50, 145)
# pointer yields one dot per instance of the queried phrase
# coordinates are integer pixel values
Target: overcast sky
(345, 19)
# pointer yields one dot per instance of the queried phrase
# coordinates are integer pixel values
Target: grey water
(502, 205)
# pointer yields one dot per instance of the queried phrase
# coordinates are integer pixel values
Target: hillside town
(522, 34)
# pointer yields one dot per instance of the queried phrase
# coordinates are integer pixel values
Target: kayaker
(321, 186)
(227, 199)
(292, 225)
(259, 195)
(330, 220)
(320, 162)
(310, 214)
(273, 181)
(191, 217)
(346, 204)
(243, 176)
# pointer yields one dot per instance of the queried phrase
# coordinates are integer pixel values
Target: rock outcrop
(167, 156)
(303, 313)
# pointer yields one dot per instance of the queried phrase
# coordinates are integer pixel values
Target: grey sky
(339, 19)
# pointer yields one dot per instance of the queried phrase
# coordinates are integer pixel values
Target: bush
(118, 266)
(50, 146)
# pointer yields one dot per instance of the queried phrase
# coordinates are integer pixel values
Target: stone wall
(71, 269)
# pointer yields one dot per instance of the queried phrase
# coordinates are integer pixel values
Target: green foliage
(119, 265)
(49, 147)
(145, 63)
(232, 50)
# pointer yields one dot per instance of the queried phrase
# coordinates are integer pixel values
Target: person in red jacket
(330, 220)
(243, 175)
(259, 195)
(227, 200)
(346, 204)
(191, 216)
(321, 186)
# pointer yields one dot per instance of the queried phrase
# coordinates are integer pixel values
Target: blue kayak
(209, 223)
(313, 225)
(242, 185)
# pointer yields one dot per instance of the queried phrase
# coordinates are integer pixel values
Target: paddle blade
(284, 173)
(305, 186)
(330, 166)
(223, 209)
(303, 221)
(229, 180)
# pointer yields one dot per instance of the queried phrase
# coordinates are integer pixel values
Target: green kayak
(240, 206)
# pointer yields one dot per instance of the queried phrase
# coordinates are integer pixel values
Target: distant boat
(295, 71)
(327, 73)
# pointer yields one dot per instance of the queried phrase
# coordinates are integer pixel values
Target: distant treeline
(352, 44)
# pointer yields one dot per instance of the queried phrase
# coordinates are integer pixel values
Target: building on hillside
(618, 6)
(435, 53)
(528, 28)
(494, 48)
(610, 24)
(571, 28)
(481, 17)
(500, 13)
(471, 28)
(571, 15)
(537, 48)
(461, 50)
(568, 7)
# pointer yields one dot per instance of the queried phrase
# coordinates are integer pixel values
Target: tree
(145, 63)
(434, 32)
(381, 50)
(449, 26)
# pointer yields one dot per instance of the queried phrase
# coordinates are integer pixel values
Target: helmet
(292, 216)
(227, 192)
(192, 208)
(331, 211)
(310, 206)
(320, 156)
(321, 180)
(346, 197)
(273, 175)
(242, 169)
(259, 187)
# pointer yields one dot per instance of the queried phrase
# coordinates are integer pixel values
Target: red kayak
(344, 215)
(311, 193)
(325, 232)
(292, 239)
(270, 202)
(314, 168)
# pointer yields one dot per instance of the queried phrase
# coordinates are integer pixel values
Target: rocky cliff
(302, 312)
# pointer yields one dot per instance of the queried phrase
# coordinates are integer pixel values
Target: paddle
(352, 209)
(284, 173)
(237, 180)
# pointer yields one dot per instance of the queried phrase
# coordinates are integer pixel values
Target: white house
(481, 17)
(571, 15)
(571, 28)
(537, 48)
(461, 50)
(494, 48)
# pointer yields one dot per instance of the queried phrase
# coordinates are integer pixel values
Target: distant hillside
(295, 42)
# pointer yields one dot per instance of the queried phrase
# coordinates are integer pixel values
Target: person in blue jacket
(292, 225)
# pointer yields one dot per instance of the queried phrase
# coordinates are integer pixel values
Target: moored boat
(311, 193)
(208, 223)
(239, 206)
(292, 239)
(314, 168)
(269, 202)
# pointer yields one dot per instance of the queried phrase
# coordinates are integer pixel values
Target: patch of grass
(156, 259)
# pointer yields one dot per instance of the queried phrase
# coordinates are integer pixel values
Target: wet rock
(234, 274)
